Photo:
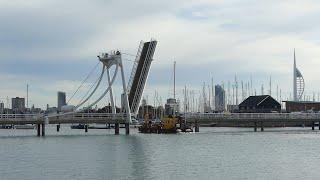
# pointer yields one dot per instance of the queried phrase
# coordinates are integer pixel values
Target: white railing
(20, 116)
(73, 116)
(251, 116)
(135, 65)
(92, 115)
(190, 116)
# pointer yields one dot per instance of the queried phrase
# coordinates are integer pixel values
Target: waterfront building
(219, 98)
(1, 108)
(108, 109)
(61, 100)
(146, 110)
(172, 107)
(52, 110)
(35, 110)
(153, 112)
(302, 106)
(233, 108)
(18, 104)
(259, 104)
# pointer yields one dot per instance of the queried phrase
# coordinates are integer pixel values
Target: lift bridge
(130, 98)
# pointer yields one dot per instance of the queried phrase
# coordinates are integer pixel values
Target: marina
(157, 90)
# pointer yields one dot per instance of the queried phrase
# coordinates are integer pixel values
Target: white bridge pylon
(132, 93)
(108, 60)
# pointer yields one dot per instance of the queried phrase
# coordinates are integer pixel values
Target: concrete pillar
(255, 126)
(196, 126)
(127, 126)
(116, 128)
(313, 126)
(58, 127)
(86, 128)
(38, 129)
(43, 129)
(262, 128)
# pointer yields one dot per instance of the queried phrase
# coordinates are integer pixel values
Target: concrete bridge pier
(196, 126)
(38, 129)
(116, 128)
(127, 126)
(255, 126)
(313, 125)
(262, 128)
(43, 128)
(58, 127)
(86, 128)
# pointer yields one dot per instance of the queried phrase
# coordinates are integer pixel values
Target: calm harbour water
(214, 153)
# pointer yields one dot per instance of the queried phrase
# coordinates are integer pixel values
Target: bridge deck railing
(190, 116)
(252, 116)
(20, 116)
(73, 116)
(92, 115)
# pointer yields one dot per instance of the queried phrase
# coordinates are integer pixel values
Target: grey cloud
(220, 38)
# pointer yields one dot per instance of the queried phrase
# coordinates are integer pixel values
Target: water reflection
(214, 153)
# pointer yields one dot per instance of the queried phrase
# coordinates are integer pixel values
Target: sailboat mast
(174, 79)
(27, 95)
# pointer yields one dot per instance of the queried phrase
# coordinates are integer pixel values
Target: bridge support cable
(105, 92)
(101, 76)
(108, 61)
(83, 82)
(89, 90)
(94, 103)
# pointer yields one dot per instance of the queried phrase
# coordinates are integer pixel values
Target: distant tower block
(61, 100)
(298, 81)
(140, 73)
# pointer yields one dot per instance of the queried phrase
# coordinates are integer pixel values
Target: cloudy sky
(52, 45)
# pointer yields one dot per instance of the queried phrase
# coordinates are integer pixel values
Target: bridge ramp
(139, 75)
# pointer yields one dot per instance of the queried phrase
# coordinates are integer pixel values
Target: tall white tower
(298, 81)
(295, 98)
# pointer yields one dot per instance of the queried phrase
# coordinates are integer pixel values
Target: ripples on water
(214, 153)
